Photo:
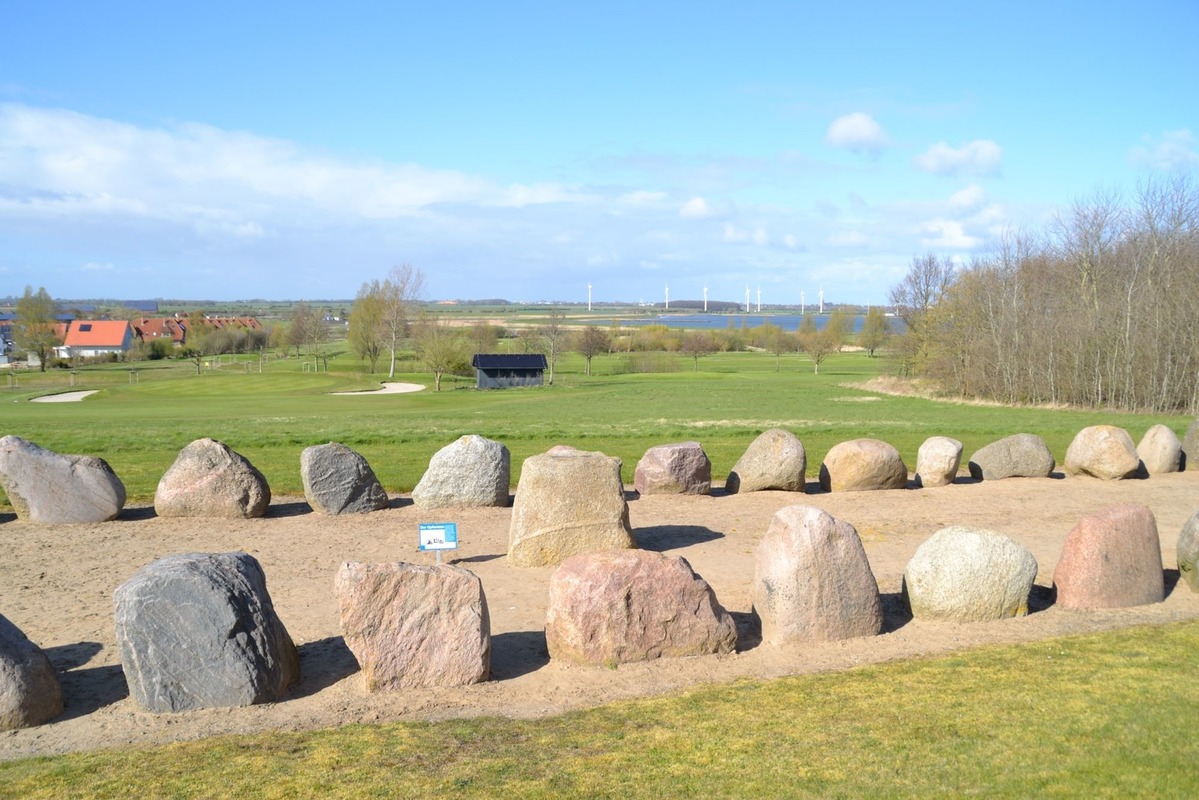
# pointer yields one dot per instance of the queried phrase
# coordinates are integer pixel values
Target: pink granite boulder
(674, 469)
(1112, 559)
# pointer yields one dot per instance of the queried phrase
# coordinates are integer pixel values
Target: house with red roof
(168, 329)
(88, 338)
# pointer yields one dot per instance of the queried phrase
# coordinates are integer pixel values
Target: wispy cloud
(1169, 151)
(980, 157)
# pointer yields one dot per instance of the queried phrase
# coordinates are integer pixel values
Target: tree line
(1097, 310)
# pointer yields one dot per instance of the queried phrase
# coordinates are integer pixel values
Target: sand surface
(389, 387)
(63, 397)
(56, 584)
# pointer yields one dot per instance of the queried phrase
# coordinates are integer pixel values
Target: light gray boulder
(413, 626)
(863, 465)
(938, 461)
(567, 502)
(774, 460)
(1188, 552)
(52, 489)
(1190, 446)
(965, 574)
(812, 580)
(1103, 451)
(472, 471)
(1111, 559)
(1160, 451)
(681, 468)
(199, 631)
(29, 690)
(338, 480)
(621, 606)
(1024, 455)
(210, 480)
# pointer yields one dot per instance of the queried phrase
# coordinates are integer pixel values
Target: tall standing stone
(774, 460)
(199, 631)
(1103, 451)
(1160, 451)
(472, 471)
(812, 580)
(938, 461)
(674, 469)
(1188, 552)
(411, 625)
(53, 489)
(567, 502)
(965, 574)
(1111, 559)
(210, 480)
(29, 690)
(1024, 455)
(862, 465)
(338, 480)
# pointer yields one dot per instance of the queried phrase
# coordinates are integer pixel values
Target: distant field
(270, 416)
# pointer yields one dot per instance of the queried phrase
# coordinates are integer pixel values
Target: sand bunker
(390, 387)
(62, 397)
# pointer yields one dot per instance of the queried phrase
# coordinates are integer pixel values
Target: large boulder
(1024, 455)
(633, 605)
(862, 465)
(812, 580)
(415, 626)
(1111, 559)
(29, 690)
(774, 460)
(1103, 451)
(210, 480)
(198, 630)
(473, 471)
(937, 461)
(965, 574)
(567, 502)
(338, 480)
(52, 489)
(1188, 552)
(1190, 446)
(674, 469)
(1160, 451)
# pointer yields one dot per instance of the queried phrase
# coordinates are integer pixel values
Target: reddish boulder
(1112, 559)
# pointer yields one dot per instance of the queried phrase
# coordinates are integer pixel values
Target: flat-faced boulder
(862, 465)
(937, 461)
(965, 574)
(681, 468)
(29, 690)
(338, 480)
(620, 606)
(412, 625)
(473, 471)
(774, 460)
(1111, 559)
(199, 630)
(53, 489)
(1103, 451)
(1160, 451)
(210, 480)
(1190, 446)
(1188, 552)
(812, 580)
(567, 502)
(1024, 455)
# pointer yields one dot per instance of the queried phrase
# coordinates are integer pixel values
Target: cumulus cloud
(1170, 151)
(858, 133)
(947, 234)
(968, 199)
(980, 157)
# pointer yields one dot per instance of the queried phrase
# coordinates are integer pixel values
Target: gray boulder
(812, 580)
(473, 471)
(1188, 552)
(53, 489)
(938, 461)
(674, 469)
(338, 480)
(1160, 451)
(1190, 446)
(862, 465)
(415, 626)
(199, 631)
(1103, 451)
(1111, 559)
(621, 606)
(567, 502)
(965, 574)
(1024, 455)
(774, 460)
(29, 690)
(210, 480)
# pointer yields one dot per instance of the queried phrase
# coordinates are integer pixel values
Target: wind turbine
(589, 297)
(667, 298)
(759, 299)
(801, 302)
(821, 299)
(705, 297)
(747, 298)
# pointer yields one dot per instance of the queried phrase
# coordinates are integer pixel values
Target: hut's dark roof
(505, 361)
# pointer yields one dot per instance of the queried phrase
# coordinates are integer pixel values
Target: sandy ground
(389, 387)
(63, 397)
(56, 584)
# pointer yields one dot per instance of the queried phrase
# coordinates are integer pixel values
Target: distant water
(788, 322)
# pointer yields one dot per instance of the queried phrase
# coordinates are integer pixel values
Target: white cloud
(969, 198)
(858, 133)
(791, 241)
(848, 239)
(947, 234)
(92, 266)
(1170, 151)
(980, 157)
(642, 198)
(696, 208)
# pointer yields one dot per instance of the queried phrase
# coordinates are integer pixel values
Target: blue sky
(525, 150)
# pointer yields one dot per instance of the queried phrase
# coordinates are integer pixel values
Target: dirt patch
(56, 584)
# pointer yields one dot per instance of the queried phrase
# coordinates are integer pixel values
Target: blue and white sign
(438, 535)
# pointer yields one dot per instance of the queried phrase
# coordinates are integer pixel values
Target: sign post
(438, 536)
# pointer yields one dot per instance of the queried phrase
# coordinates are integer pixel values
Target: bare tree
(439, 347)
(366, 324)
(484, 337)
(817, 344)
(874, 331)
(399, 293)
(35, 327)
(553, 333)
(591, 342)
(697, 344)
